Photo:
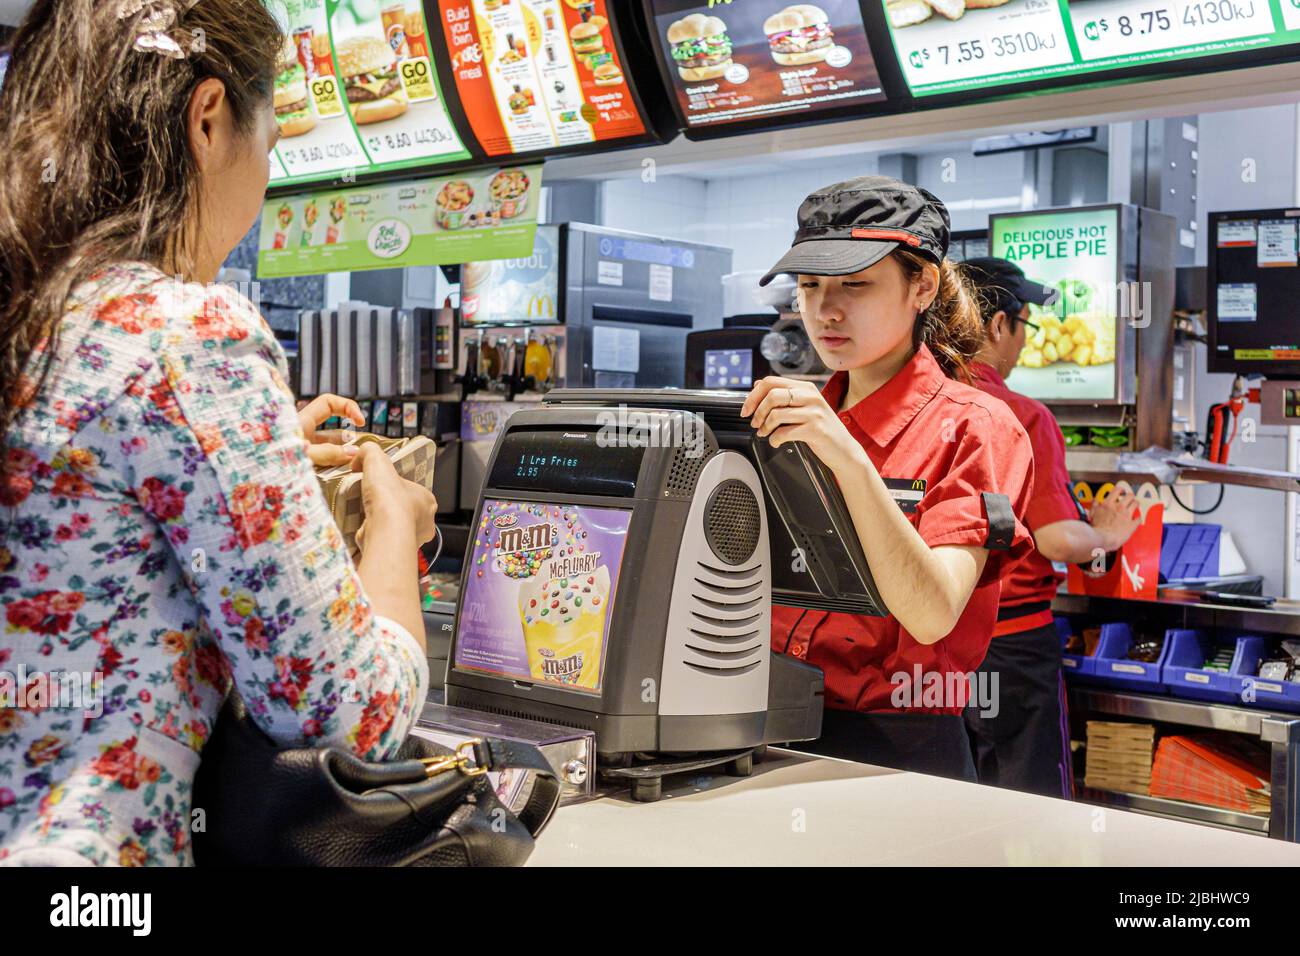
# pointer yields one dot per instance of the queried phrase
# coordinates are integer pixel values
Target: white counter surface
(799, 810)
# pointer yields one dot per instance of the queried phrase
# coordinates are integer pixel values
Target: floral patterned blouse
(161, 528)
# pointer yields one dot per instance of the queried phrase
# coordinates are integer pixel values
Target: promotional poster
(356, 91)
(514, 290)
(1071, 353)
(752, 58)
(539, 592)
(486, 214)
(537, 74)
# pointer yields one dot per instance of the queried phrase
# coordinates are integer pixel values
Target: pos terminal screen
(564, 461)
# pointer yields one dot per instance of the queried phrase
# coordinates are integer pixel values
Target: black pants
(936, 744)
(1026, 745)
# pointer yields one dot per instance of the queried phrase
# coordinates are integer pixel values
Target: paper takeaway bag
(1134, 570)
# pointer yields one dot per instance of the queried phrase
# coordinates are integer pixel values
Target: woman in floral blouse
(161, 528)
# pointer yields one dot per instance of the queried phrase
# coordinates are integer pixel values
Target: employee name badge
(908, 492)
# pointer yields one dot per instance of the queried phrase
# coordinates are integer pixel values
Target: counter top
(854, 814)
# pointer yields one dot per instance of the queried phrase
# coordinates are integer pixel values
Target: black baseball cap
(1004, 286)
(847, 227)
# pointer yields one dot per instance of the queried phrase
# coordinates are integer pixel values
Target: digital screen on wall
(514, 291)
(1071, 355)
(753, 59)
(356, 92)
(1253, 271)
(948, 46)
(539, 74)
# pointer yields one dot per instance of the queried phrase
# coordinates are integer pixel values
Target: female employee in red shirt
(893, 320)
(1025, 744)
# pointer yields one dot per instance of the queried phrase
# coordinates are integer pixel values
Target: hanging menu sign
(538, 74)
(466, 217)
(741, 61)
(946, 46)
(356, 92)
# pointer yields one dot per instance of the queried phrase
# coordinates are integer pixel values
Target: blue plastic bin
(1112, 668)
(1189, 552)
(1073, 665)
(1185, 655)
(1261, 692)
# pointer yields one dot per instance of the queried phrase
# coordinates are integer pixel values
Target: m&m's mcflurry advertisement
(541, 585)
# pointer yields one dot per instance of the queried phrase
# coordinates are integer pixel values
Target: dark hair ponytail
(951, 325)
(95, 162)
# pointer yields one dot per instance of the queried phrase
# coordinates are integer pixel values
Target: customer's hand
(329, 448)
(1115, 518)
(388, 497)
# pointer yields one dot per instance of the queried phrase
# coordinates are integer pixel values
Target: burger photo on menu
(742, 62)
(701, 48)
(587, 42)
(607, 74)
(293, 111)
(799, 34)
(370, 81)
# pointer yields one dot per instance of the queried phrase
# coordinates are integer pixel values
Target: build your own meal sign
(466, 217)
(1071, 355)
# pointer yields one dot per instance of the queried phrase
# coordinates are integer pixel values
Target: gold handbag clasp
(464, 760)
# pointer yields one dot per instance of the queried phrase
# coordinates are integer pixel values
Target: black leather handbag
(266, 806)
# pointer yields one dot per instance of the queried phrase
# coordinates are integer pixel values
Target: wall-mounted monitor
(1253, 292)
(974, 46)
(547, 76)
(356, 94)
(733, 67)
(1075, 352)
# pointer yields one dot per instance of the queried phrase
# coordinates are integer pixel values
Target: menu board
(542, 583)
(538, 74)
(486, 214)
(1071, 355)
(759, 58)
(356, 92)
(1254, 282)
(946, 46)
(525, 289)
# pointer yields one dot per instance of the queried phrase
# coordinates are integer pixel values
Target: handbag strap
(496, 754)
(545, 795)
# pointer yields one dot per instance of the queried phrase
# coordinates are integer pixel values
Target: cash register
(626, 549)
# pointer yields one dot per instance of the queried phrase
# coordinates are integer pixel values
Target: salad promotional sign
(488, 214)
(538, 74)
(753, 58)
(356, 91)
(537, 601)
(948, 45)
(1071, 355)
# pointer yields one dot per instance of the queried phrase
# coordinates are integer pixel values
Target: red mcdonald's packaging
(1134, 570)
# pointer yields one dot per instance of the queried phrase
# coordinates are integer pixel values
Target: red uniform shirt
(922, 425)
(1034, 580)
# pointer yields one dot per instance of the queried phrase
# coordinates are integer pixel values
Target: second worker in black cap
(1026, 745)
(933, 471)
